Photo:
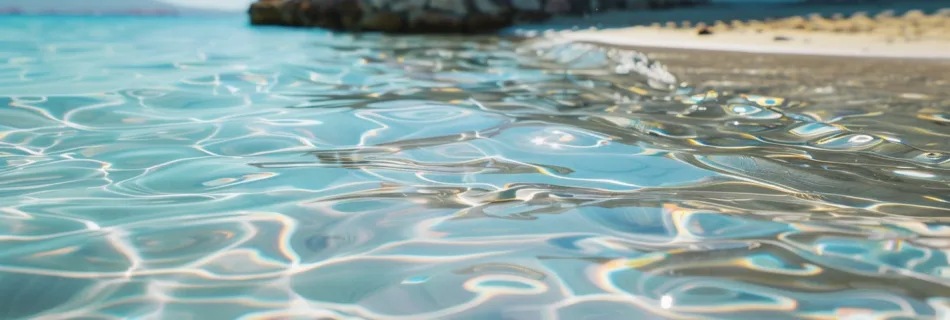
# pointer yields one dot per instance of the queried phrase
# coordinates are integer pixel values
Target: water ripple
(266, 173)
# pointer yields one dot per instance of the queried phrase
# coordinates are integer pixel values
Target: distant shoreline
(91, 14)
(127, 15)
(131, 12)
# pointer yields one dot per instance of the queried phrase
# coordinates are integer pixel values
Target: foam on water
(182, 169)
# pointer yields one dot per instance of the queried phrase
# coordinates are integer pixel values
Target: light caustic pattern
(177, 169)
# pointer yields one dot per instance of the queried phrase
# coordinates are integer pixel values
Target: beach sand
(771, 41)
(904, 34)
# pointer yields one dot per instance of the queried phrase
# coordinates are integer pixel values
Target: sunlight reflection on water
(183, 168)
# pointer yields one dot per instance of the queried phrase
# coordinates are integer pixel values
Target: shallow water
(200, 169)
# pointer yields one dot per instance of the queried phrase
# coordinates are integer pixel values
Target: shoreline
(808, 77)
(790, 42)
(913, 30)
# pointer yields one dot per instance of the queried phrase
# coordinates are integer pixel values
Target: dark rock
(382, 21)
(426, 16)
(704, 31)
(384, 15)
(266, 12)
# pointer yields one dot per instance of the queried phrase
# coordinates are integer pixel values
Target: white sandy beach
(789, 42)
(903, 33)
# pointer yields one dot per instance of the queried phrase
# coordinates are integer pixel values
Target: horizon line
(124, 13)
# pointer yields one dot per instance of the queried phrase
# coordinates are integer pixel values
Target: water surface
(201, 169)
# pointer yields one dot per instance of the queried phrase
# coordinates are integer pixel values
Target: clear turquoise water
(201, 169)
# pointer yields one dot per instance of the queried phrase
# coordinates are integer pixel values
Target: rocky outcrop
(420, 16)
